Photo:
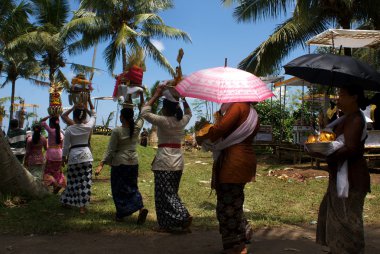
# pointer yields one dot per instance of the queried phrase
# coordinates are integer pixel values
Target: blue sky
(215, 36)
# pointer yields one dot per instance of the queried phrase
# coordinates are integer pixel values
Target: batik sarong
(79, 181)
(340, 222)
(171, 212)
(233, 226)
(125, 192)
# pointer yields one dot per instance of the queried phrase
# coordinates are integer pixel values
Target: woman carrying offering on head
(53, 175)
(77, 155)
(168, 163)
(122, 156)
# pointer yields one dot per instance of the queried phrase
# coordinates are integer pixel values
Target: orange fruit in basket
(312, 139)
(326, 136)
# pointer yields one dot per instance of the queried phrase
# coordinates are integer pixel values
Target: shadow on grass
(206, 205)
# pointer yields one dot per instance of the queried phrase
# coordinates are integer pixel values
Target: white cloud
(158, 44)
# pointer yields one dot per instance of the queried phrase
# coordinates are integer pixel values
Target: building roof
(292, 82)
(346, 38)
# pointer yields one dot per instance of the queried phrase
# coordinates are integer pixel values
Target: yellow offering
(324, 136)
(204, 130)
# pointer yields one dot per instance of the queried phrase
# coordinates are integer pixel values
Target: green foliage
(304, 115)
(149, 93)
(126, 26)
(308, 19)
(281, 119)
(109, 119)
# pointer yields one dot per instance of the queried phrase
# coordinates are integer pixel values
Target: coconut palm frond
(51, 12)
(122, 23)
(39, 41)
(254, 10)
(268, 57)
(147, 17)
(79, 46)
(155, 5)
(39, 82)
(111, 54)
(109, 119)
(80, 68)
(153, 52)
(62, 80)
(163, 31)
(8, 98)
(6, 82)
(86, 22)
(124, 32)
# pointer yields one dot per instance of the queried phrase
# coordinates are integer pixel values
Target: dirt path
(266, 241)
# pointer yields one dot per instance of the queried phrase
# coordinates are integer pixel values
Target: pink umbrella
(223, 85)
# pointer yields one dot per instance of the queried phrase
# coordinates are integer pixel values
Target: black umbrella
(334, 70)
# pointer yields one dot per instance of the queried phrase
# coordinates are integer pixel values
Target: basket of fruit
(320, 144)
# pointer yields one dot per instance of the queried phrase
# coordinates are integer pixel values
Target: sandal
(142, 216)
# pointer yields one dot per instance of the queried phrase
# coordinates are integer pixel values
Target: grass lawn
(269, 201)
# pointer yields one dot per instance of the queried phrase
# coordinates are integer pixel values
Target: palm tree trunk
(12, 100)
(93, 61)
(51, 75)
(124, 57)
(14, 178)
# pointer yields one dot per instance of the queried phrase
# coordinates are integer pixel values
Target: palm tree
(20, 62)
(48, 38)
(29, 115)
(126, 25)
(106, 124)
(19, 65)
(309, 18)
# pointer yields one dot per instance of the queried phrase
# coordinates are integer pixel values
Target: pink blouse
(54, 151)
(34, 155)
